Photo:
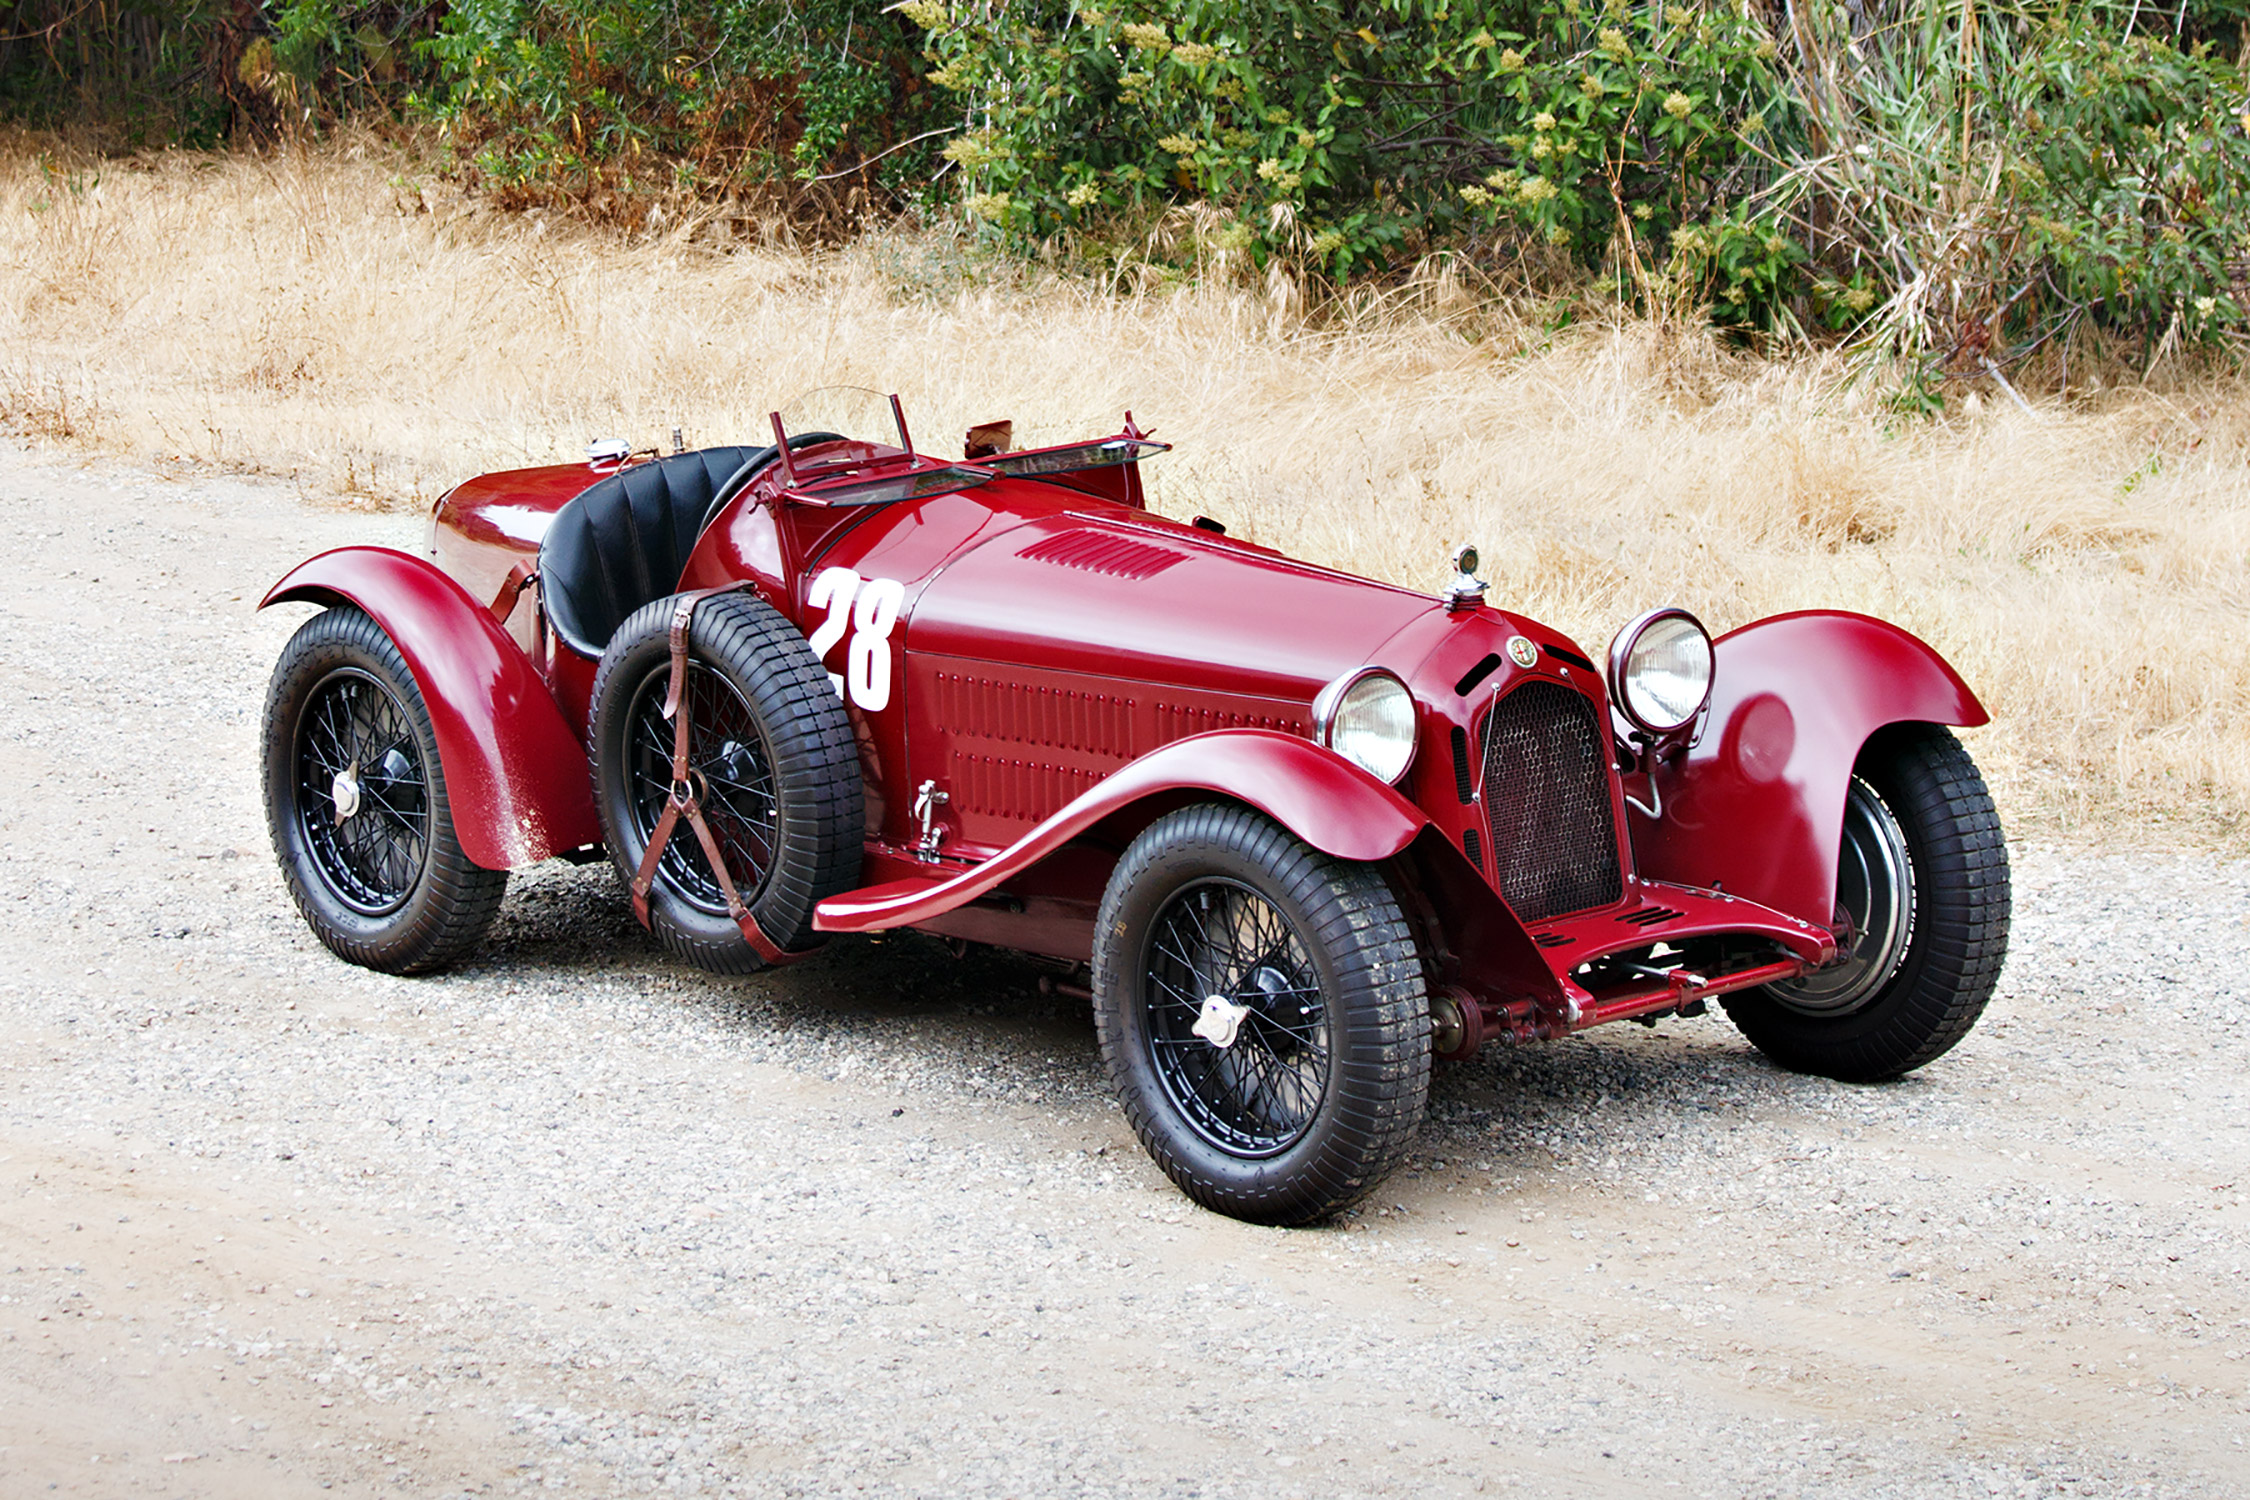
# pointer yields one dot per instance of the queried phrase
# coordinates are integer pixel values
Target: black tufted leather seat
(624, 540)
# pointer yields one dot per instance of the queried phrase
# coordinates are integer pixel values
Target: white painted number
(868, 668)
(868, 663)
(832, 591)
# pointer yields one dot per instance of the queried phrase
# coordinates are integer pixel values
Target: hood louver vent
(1099, 552)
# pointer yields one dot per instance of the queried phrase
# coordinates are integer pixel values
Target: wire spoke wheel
(1257, 1095)
(731, 770)
(1875, 896)
(363, 797)
(1263, 1014)
(773, 766)
(357, 805)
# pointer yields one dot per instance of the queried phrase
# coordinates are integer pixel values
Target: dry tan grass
(312, 315)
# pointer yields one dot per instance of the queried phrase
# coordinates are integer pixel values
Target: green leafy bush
(330, 57)
(1344, 135)
(612, 105)
(1972, 181)
(142, 71)
(1648, 133)
(1308, 124)
(622, 102)
(2134, 179)
(1945, 185)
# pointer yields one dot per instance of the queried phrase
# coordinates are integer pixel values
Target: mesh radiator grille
(1546, 801)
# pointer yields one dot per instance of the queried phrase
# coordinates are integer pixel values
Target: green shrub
(628, 101)
(140, 71)
(2134, 181)
(1649, 134)
(1344, 135)
(1945, 185)
(1305, 123)
(1973, 180)
(328, 57)
(145, 73)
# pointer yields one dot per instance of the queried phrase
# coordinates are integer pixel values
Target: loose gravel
(574, 1217)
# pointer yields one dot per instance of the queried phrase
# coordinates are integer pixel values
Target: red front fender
(515, 774)
(1315, 793)
(1758, 805)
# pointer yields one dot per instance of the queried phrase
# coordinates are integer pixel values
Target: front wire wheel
(1262, 1015)
(356, 803)
(1257, 1096)
(1922, 884)
(363, 798)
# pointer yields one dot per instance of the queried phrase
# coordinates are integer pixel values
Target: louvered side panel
(1011, 746)
(1029, 713)
(1176, 721)
(1020, 791)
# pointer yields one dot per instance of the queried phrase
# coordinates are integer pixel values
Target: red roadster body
(1039, 692)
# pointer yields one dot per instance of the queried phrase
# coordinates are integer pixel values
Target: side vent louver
(1464, 778)
(1473, 847)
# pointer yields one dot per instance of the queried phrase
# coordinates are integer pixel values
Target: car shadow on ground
(562, 926)
(912, 999)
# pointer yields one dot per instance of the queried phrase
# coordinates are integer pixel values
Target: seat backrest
(624, 540)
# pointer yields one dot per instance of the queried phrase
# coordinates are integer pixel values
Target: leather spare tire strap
(683, 802)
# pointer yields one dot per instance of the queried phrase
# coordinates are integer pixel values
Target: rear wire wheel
(356, 803)
(1311, 1079)
(1923, 881)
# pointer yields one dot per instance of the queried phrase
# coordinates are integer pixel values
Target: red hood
(1158, 602)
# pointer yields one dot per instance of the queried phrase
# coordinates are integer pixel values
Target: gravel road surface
(577, 1218)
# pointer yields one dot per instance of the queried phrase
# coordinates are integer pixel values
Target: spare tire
(774, 764)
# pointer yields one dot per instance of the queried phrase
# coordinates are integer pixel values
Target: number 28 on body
(868, 609)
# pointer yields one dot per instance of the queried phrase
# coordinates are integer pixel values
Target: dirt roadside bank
(575, 1217)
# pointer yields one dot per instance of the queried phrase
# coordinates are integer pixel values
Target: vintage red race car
(1303, 832)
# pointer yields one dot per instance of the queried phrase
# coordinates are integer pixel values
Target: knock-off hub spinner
(1221, 1021)
(345, 790)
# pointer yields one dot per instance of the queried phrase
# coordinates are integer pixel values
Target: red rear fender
(1758, 805)
(515, 774)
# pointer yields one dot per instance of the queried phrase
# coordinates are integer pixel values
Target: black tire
(357, 806)
(1914, 982)
(779, 767)
(1320, 1092)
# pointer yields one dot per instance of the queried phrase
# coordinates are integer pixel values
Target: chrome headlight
(1367, 717)
(1660, 670)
